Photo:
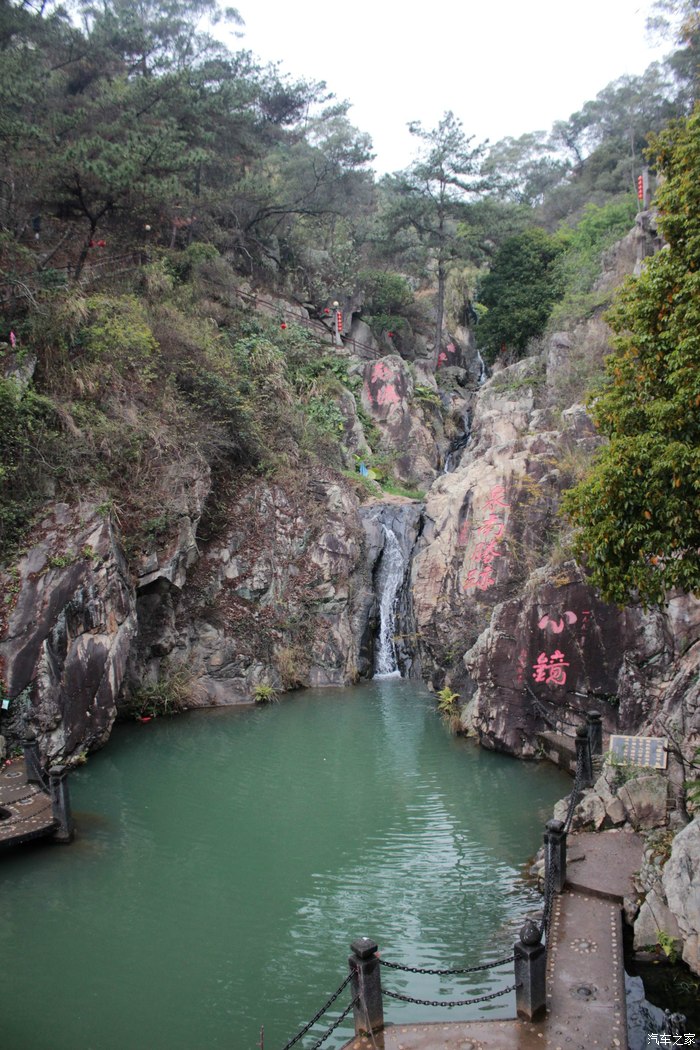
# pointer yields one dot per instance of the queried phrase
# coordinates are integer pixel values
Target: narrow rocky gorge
(286, 591)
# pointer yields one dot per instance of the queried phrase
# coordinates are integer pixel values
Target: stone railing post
(60, 803)
(555, 855)
(583, 755)
(32, 760)
(594, 722)
(366, 986)
(530, 973)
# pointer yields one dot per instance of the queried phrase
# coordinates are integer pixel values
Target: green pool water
(225, 859)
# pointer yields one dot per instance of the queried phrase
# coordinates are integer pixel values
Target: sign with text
(648, 751)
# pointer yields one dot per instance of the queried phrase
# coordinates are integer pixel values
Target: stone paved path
(25, 810)
(585, 975)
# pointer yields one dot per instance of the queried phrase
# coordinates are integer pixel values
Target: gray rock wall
(70, 625)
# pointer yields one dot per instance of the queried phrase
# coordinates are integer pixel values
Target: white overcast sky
(503, 67)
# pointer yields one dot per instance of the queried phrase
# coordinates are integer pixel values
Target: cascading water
(388, 584)
(458, 445)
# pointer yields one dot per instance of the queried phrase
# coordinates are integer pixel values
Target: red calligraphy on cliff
(557, 626)
(490, 530)
(550, 669)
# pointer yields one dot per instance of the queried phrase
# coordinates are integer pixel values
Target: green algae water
(225, 860)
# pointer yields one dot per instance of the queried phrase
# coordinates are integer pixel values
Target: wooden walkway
(585, 967)
(26, 812)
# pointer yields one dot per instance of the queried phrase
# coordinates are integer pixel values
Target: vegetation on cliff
(638, 512)
(154, 179)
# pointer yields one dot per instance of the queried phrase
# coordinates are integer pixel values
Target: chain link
(576, 791)
(24, 798)
(548, 889)
(29, 816)
(318, 1016)
(452, 1002)
(552, 721)
(447, 973)
(336, 1024)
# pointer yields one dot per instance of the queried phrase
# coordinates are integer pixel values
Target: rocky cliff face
(279, 598)
(69, 626)
(281, 591)
(500, 607)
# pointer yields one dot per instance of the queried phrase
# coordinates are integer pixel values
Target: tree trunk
(440, 310)
(441, 276)
(82, 258)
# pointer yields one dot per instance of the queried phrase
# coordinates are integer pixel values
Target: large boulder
(68, 633)
(645, 800)
(655, 918)
(681, 884)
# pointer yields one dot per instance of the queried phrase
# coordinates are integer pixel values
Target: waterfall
(388, 640)
(390, 574)
(458, 445)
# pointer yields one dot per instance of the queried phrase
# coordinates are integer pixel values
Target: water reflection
(234, 855)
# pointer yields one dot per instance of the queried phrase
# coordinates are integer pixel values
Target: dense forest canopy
(136, 142)
(121, 116)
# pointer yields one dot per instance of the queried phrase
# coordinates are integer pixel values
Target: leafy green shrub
(448, 701)
(670, 946)
(385, 292)
(387, 298)
(199, 251)
(427, 395)
(265, 694)
(168, 696)
(325, 415)
(28, 434)
(117, 330)
(581, 262)
(519, 292)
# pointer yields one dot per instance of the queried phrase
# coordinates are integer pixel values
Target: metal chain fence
(317, 1017)
(450, 1002)
(336, 1024)
(552, 721)
(30, 816)
(548, 889)
(576, 791)
(447, 973)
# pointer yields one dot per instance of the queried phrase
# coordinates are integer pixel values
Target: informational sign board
(648, 751)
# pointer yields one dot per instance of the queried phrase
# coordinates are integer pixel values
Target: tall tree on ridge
(432, 195)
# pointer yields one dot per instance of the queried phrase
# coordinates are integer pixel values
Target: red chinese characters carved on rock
(586, 614)
(550, 669)
(490, 530)
(496, 498)
(557, 626)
